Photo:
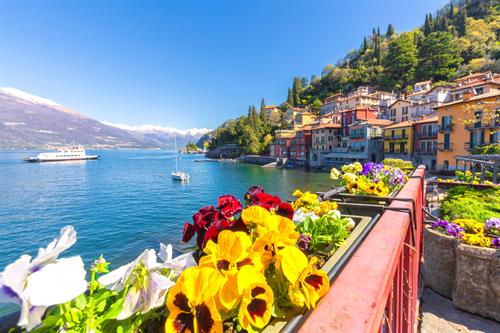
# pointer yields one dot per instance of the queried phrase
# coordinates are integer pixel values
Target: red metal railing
(377, 290)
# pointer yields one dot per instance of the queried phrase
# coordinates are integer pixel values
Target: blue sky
(185, 63)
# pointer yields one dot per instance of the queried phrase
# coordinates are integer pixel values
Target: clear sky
(185, 63)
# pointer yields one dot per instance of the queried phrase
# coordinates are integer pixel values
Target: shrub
(467, 203)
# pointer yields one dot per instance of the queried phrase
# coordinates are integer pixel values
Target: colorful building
(325, 137)
(475, 84)
(425, 138)
(365, 140)
(280, 146)
(459, 133)
(295, 118)
(399, 111)
(300, 145)
(398, 140)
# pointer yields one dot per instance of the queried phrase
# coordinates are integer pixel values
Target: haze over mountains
(29, 121)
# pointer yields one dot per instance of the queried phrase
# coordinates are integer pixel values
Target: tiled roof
(400, 100)
(327, 126)
(402, 124)
(422, 82)
(427, 120)
(473, 98)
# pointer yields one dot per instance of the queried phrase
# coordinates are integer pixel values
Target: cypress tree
(461, 22)
(263, 115)
(365, 44)
(289, 98)
(451, 13)
(390, 31)
(427, 25)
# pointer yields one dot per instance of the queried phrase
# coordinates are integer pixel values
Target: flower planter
(332, 267)
(477, 288)
(438, 268)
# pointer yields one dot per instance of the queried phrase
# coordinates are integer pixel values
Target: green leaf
(81, 301)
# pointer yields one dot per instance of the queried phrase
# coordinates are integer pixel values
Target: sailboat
(178, 175)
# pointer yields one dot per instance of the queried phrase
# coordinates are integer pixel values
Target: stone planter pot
(438, 269)
(477, 288)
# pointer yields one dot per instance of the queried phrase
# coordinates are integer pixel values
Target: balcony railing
(426, 151)
(396, 137)
(445, 128)
(340, 150)
(357, 149)
(425, 135)
(357, 136)
(471, 145)
(442, 147)
(481, 125)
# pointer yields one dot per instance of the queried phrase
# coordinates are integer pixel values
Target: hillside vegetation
(462, 37)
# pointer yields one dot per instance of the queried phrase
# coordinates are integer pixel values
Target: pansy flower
(307, 283)
(228, 205)
(191, 302)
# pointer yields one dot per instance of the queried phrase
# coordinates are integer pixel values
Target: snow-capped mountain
(29, 121)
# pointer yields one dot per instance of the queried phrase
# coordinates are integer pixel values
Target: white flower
(44, 281)
(147, 280)
(350, 224)
(299, 216)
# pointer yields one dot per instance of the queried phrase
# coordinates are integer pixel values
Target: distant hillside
(28, 121)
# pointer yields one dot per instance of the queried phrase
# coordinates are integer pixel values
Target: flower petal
(165, 252)
(292, 262)
(67, 237)
(57, 283)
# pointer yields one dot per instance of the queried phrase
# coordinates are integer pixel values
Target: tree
(428, 27)
(451, 12)
(289, 98)
(327, 70)
(263, 115)
(191, 146)
(461, 22)
(390, 31)
(439, 57)
(365, 44)
(401, 61)
(296, 89)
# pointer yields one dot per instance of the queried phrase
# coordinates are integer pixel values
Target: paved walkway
(438, 315)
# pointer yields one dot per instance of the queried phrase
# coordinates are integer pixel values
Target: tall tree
(451, 12)
(289, 98)
(461, 22)
(427, 25)
(365, 44)
(263, 115)
(390, 31)
(400, 62)
(296, 89)
(439, 57)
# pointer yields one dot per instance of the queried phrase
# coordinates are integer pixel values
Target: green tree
(461, 22)
(263, 115)
(401, 61)
(428, 26)
(451, 12)
(289, 98)
(390, 31)
(439, 57)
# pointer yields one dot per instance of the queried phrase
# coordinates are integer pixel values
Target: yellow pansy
(334, 174)
(304, 277)
(232, 252)
(470, 225)
(297, 193)
(254, 215)
(476, 239)
(257, 299)
(349, 177)
(191, 302)
(358, 167)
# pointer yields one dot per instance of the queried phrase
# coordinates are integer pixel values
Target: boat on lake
(63, 154)
(179, 175)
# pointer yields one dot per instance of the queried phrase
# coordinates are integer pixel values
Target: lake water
(122, 203)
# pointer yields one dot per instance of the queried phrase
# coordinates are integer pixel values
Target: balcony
(442, 147)
(426, 135)
(356, 149)
(340, 150)
(481, 125)
(357, 136)
(472, 145)
(445, 128)
(397, 137)
(425, 151)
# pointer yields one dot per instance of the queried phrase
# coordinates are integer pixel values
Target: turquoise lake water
(122, 203)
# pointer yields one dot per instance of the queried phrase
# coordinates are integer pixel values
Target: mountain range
(28, 121)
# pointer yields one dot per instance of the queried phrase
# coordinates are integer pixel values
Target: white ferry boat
(64, 154)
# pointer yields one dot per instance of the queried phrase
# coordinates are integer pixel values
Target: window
(479, 91)
(478, 119)
(402, 147)
(446, 141)
(391, 147)
(405, 110)
(403, 133)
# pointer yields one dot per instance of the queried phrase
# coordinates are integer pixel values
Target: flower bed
(461, 255)
(470, 178)
(255, 266)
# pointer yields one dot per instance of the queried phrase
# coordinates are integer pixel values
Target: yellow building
(398, 140)
(458, 135)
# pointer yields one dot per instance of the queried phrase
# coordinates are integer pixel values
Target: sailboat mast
(175, 147)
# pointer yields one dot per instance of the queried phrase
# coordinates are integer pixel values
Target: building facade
(425, 138)
(398, 140)
(399, 111)
(457, 136)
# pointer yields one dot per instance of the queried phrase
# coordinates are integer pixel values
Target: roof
(400, 100)
(399, 125)
(378, 122)
(327, 126)
(427, 120)
(422, 82)
(360, 108)
(293, 108)
(474, 84)
(473, 98)
(472, 75)
(271, 107)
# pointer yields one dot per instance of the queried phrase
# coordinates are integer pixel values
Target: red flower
(266, 201)
(188, 232)
(229, 205)
(285, 209)
(251, 193)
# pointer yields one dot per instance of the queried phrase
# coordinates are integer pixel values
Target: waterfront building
(273, 114)
(300, 145)
(398, 140)
(325, 137)
(425, 132)
(294, 118)
(365, 140)
(399, 111)
(280, 146)
(456, 136)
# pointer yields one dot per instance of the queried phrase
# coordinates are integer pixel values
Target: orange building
(456, 137)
